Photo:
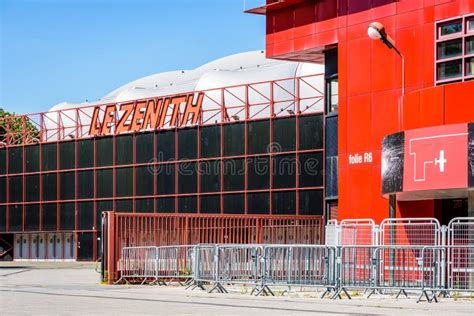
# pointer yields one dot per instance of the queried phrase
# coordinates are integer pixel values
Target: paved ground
(72, 288)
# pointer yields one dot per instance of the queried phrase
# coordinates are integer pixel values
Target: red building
(402, 126)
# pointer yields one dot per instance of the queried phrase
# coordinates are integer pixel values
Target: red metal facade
(370, 80)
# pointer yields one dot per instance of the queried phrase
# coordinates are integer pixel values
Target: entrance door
(452, 208)
(35, 252)
(69, 246)
(21, 247)
(85, 246)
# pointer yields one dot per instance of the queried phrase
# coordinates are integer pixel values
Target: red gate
(133, 229)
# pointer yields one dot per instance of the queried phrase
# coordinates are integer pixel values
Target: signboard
(153, 113)
(435, 158)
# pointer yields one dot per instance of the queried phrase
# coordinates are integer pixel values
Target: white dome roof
(238, 69)
(231, 70)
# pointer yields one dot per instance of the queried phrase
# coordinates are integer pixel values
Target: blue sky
(72, 50)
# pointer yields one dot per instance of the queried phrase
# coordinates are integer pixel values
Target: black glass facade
(255, 167)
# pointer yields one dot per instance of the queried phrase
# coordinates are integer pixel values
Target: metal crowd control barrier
(355, 269)
(460, 266)
(174, 263)
(406, 255)
(410, 231)
(240, 264)
(204, 267)
(360, 232)
(138, 264)
(300, 265)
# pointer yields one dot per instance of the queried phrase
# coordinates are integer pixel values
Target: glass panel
(85, 182)
(3, 160)
(258, 203)
(284, 203)
(49, 186)
(32, 188)
(102, 206)
(187, 204)
(32, 158)
(284, 134)
(449, 49)
(258, 173)
(165, 205)
(449, 69)
(210, 204)
(332, 95)
(104, 151)
(165, 145)
(144, 205)
(16, 218)
(470, 45)
(104, 183)
(165, 179)
(258, 137)
(49, 157)
(311, 132)
(124, 149)
(187, 143)
(49, 215)
(85, 215)
(187, 177)
(32, 214)
(3, 218)
(16, 189)
(67, 155)
(234, 139)
(144, 147)
(451, 28)
(3, 189)
(210, 176)
(311, 202)
(470, 25)
(310, 167)
(234, 174)
(85, 153)
(469, 66)
(124, 182)
(210, 141)
(66, 216)
(144, 179)
(67, 185)
(234, 204)
(15, 160)
(124, 206)
(284, 171)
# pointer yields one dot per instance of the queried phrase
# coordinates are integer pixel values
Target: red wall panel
(370, 84)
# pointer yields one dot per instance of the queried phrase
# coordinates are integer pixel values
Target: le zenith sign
(146, 114)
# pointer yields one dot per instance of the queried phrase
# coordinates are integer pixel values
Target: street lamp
(376, 31)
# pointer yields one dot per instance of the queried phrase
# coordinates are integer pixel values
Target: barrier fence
(338, 270)
(439, 261)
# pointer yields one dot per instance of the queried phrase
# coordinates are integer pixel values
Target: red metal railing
(300, 95)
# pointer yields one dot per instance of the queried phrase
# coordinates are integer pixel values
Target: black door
(85, 247)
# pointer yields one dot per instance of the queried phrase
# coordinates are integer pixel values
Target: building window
(455, 50)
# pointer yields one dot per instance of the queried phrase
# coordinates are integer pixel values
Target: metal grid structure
(75, 176)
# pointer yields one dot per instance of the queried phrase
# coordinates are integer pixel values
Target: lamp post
(376, 31)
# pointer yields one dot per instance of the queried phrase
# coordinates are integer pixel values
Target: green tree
(17, 126)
